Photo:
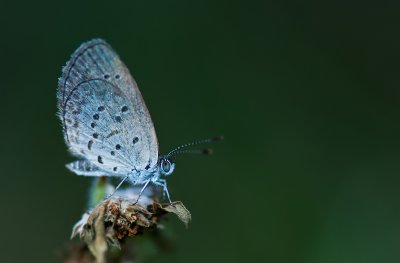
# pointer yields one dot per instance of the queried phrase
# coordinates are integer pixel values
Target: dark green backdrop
(306, 94)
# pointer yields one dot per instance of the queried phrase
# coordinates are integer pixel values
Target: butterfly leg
(163, 184)
(141, 191)
(116, 188)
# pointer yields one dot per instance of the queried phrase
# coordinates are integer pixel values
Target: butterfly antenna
(206, 151)
(178, 150)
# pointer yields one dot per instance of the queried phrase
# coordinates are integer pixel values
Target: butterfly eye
(165, 166)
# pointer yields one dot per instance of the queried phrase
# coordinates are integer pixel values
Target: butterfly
(106, 123)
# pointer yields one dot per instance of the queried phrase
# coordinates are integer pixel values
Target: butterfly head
(166, 165)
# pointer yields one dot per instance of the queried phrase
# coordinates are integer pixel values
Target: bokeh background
(305, 92)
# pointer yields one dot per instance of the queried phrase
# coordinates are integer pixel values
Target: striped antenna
(178, 150)
(206, 151)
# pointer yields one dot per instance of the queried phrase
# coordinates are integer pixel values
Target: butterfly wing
(85, 168)
(104, 117)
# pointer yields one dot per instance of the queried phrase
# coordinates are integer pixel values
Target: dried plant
(106, 228)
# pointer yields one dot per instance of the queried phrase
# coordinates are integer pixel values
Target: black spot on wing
(90, 143)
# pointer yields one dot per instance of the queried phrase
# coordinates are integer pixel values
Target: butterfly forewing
(104, 116)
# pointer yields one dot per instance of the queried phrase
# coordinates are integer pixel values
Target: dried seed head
(123, 216)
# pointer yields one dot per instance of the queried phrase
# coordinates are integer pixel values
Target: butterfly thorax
(164, 167)
(141, 177)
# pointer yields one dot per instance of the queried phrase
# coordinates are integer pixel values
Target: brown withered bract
(120, 217)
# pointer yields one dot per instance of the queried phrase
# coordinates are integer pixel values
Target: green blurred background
(306, 94)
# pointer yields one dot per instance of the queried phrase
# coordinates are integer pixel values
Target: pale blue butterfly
(106, 122)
